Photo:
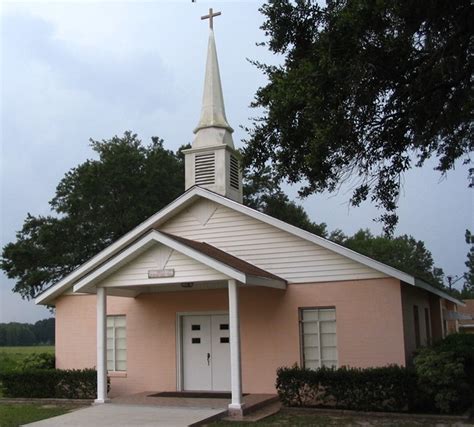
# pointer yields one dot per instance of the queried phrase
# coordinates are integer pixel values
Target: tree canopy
(14, 333)
(262, 193)
(95, 203)
(468, 287)
(404, 253)
(368, 89)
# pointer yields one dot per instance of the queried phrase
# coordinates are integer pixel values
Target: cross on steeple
(211, 16)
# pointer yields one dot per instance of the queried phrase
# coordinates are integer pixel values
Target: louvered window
(318, 337)
(234, 172)
(205, 166)
(116, 343)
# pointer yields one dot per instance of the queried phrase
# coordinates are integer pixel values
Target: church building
(210, 295)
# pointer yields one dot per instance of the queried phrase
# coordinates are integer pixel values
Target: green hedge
(35, 361)
(50, 383)
(388, 388)
(442, 380)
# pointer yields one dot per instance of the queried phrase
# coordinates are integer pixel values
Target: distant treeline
(17, 334)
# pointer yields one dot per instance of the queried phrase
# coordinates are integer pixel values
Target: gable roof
(188, 198)
(208, 255)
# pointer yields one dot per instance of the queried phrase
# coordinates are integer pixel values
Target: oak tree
(95, 203)
(367, 90)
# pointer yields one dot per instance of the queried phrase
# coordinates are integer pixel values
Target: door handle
(208, 358)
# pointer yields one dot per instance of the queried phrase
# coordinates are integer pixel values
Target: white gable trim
(57, 289)
(188, 198)
(88, 282)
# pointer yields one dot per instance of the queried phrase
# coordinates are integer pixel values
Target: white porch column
(236, 406)
(101, 345)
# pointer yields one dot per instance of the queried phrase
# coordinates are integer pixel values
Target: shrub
(50, 383)
(446, 373)
(463, 346)
(388, 388)
(37, 361)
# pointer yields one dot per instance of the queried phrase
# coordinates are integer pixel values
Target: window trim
(115, 371)
(301, 335)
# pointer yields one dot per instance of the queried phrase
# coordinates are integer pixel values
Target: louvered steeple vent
(212, 162)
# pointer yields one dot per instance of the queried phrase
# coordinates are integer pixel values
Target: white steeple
(212, 110)
(212, 162)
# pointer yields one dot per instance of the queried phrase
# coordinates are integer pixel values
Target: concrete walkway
(118, 415)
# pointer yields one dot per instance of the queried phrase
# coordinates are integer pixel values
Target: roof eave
(427, 287)
(266, 282)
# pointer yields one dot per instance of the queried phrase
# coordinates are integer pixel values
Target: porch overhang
(229, 266)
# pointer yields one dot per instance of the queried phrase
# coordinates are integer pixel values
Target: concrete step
(253, 402)
(259, 410)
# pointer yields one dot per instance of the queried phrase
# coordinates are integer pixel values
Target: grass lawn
(13, 415)
(307, 420)
(282, 419)
(10, 356)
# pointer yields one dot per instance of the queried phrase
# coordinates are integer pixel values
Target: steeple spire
(212, 110)
(213, 162)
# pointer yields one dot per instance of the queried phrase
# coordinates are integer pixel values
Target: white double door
(206, 352)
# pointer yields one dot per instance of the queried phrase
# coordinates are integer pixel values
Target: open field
(11, 356)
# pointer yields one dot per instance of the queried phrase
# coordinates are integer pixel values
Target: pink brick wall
(369, 330)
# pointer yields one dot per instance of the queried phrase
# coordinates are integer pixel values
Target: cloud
(138, 80)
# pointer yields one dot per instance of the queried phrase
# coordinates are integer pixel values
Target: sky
(71, 71)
